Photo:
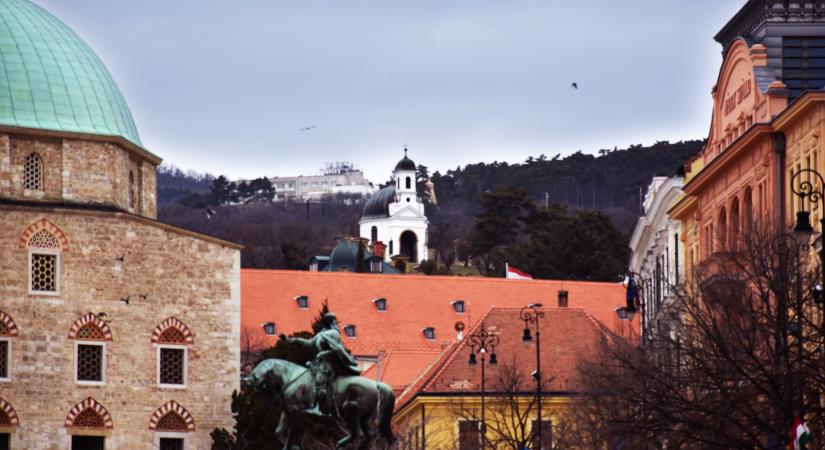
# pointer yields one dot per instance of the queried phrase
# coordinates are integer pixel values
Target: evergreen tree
(220, 190)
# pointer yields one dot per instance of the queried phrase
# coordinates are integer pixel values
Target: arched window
(33, 173)
(374, 234)
(88, 414)
(408, 183)
(8, 330)
(172, 338)
(131, 189)
(723, 229)
(8, 416)
(734, 224)
(44, 263)
(91, 335)
(172, 424)
(747, 213)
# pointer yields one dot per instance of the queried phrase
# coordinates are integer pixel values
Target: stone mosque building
(394, 216)
(116, 331)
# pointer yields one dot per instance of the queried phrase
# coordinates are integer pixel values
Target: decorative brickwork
(90, 327)
(7, 325)
(8, 416)
(172, 417)
(34, 229)
(88, 414)
(172, 331)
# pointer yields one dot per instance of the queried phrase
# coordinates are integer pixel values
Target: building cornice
(117, 140)
(106, 211)
(733, 151)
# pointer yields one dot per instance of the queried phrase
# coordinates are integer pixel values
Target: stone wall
(164, 272)
(78, 171)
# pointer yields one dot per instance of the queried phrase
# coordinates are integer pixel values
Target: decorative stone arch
(172, 331)
(90, 327)
(172, 417)
(89, 414)
(8, 416)
(7, 325)
(40, 225)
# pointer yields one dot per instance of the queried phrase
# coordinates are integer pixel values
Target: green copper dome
(50, 79)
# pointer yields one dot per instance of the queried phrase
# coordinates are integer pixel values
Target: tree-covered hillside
(286, 235)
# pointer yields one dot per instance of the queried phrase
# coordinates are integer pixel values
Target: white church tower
(395, 216)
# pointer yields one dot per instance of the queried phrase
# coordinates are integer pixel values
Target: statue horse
(357, 400)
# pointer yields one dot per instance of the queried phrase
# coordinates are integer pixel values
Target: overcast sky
(225, 86)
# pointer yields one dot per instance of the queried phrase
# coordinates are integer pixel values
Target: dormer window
(349, 330)
(458, 306)
(303, 301)
(269, 328)
(380, 304)
(429, 333)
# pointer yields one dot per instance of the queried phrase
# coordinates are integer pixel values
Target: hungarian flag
(515, 274)
(799, 435)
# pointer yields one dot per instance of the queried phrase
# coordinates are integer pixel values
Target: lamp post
(480, 343)
(808, 185)
(530, 314)
(805, 189)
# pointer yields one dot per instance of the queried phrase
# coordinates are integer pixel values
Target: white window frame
(8, 358)
(103, 363)
(45, 251)
(185, 366)
(173, 435)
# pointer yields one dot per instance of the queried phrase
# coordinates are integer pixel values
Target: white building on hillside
(395, 216)
(336, 178)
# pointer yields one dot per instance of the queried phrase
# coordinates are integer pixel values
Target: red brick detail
(8, 416)
(7, 325)
(91, 320)
(159, 418)
(184, 335)
(92, 406)
(44, 224)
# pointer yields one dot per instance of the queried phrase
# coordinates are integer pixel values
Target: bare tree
(511, 411)
(740, 360)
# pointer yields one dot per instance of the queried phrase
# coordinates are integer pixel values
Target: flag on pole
(515, 274)
(799, 435)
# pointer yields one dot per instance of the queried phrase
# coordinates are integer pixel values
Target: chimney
(378, 249)
(562, 299)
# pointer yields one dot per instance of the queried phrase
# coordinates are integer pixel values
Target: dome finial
(405, 150)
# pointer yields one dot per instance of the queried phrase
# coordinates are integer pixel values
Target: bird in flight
(210, 213)
(575, 86)
(307, 128)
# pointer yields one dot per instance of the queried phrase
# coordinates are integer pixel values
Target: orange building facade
(768, 123)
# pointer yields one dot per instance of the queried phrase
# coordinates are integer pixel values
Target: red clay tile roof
(413, 303)
(566, 336)
(400, 367)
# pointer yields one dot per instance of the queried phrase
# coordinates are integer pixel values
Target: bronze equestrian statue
(330, 385)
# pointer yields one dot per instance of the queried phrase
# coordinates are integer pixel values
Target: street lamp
(807, 190)
(530, 314)
(480, 343)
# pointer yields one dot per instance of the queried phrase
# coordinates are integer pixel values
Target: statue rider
(331, 351)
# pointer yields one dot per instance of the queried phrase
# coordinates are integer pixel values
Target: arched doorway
(409, 245)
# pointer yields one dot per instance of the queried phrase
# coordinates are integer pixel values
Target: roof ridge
(438, 277)
(438, 366)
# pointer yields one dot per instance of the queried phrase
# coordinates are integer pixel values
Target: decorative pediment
(408, 212)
